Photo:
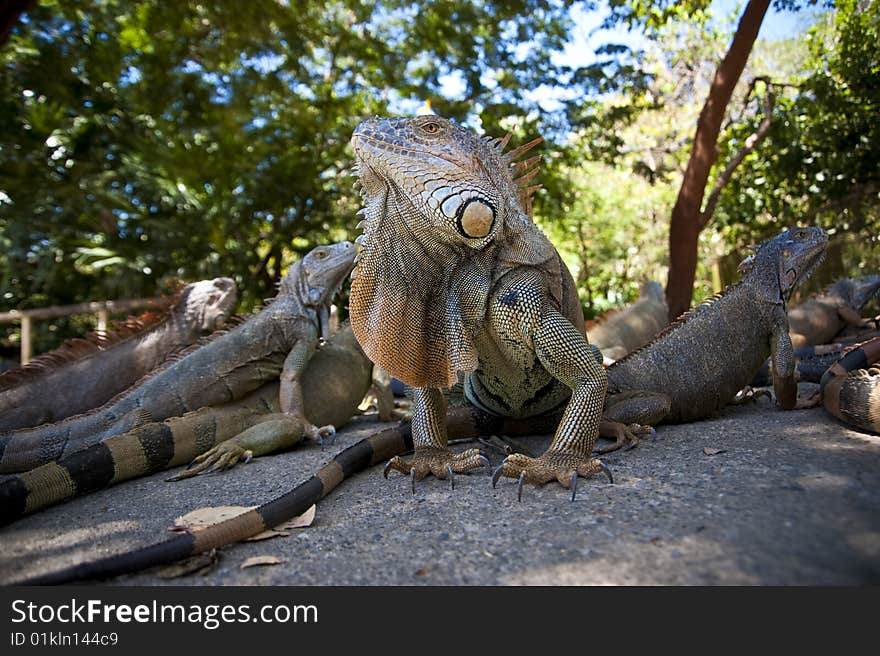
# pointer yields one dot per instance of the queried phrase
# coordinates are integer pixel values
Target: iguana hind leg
(630, 414)
(430, 436)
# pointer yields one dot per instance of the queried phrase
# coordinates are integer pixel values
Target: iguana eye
(320, 254)
(431, 127)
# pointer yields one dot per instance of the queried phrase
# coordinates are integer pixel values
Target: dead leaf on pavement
(709, 451)
(267, 535)
(302, 521)
(203, 517)
(202, 564)
(261, 561)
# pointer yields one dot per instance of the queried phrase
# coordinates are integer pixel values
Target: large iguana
(335, 381)
(454, 277)
(277, 341)
(850, 388)
(85, 373)
(699, 363)
(818, 319)
(633, 326)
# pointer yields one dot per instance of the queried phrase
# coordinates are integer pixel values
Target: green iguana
(850, 388)
(334, 383)
(699, 363)
(85, 373)
(818, 319)
(453, 276)
(277, 341)
(633, 326)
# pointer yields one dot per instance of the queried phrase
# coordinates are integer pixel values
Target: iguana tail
(359, 456)
(462, 422)
(851, 387)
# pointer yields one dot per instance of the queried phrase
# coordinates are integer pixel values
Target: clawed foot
(563, 467)
(223, 456)
(749, 393)
(624, 436)
(321, 434)
(440, 462)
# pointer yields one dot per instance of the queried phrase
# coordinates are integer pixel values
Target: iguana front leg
(565, 354)
(290, 390)
(783, 365)
(431, 455)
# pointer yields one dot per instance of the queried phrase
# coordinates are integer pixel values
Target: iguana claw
(624, 436)
(440, 462)
(563, 467)
(223, 456)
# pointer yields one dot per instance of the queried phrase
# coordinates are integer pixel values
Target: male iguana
(697, 365)
(85, 373)
(277, 341)
(633, 326)
(336, 379)
(818, 319)
(454, 277)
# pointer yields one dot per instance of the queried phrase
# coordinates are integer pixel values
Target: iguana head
(316, 278)
(207, 304)
(788, 259)
(855, 292)
(445, 213)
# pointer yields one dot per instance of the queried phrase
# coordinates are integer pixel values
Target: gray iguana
(633, 326)
(277, 341)
(699, 363)
(84, 373)
(453, 276)
(335, 381)
(818, 319)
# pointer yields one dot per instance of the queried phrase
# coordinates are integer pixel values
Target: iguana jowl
(85, 373)
(455, 277)
(697, 365)
(277, 341)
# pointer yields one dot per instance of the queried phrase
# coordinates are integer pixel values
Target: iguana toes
(333, 384)
(850, 388)
(818, 319)
(632, 327)
(699, 363)
(454, 276)
(277, 341)
(85, 373)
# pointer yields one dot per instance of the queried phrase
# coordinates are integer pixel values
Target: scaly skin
(85, 373)
(275, 343)
(697, 365)
(850, 389)
(633, 326)
(336, 379)
(818, 319)
(454, 277)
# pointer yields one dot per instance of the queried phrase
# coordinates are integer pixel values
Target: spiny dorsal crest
(523, 171)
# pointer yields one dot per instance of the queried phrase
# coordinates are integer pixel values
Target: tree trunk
(10, 10)
(684, 228)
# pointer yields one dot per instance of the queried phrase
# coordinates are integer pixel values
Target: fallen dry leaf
(267, 535)
(261, 561)
(202, 517)
(302, 521)
(709, 451)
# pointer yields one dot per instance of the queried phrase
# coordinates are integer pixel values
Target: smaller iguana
(850, 388)
(633, 326)
(85, 373)
(818, 319)
(698, 364)
(335, 380)
(275, 342)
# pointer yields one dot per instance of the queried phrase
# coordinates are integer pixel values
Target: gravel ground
(794, 498)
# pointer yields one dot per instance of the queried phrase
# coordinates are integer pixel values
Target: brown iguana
(454, 277)
(335, 381)
(850, 388)
(633, 326)
(276, 341)
(818, 319)
(85, 373)
(699, 363)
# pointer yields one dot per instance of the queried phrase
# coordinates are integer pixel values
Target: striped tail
(365, 453)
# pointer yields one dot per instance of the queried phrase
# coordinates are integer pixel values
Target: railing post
(102, 322)
(26, 346)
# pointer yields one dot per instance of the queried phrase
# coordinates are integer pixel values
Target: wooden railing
(100, 308)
